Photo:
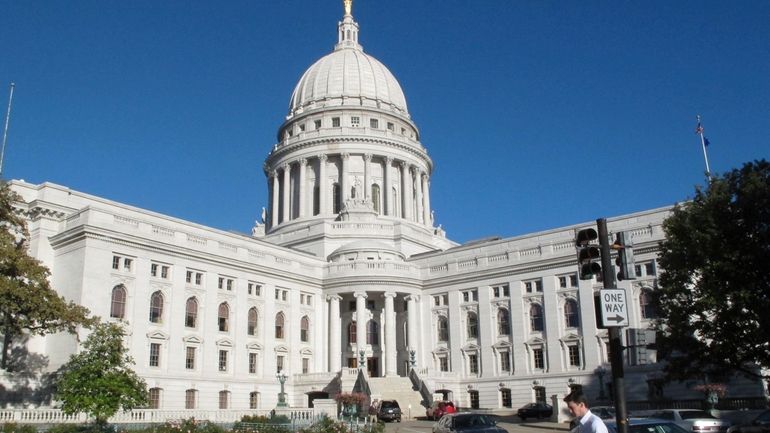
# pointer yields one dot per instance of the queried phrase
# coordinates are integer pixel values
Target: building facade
(347, 269)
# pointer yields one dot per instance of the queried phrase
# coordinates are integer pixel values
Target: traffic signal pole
(616, 345)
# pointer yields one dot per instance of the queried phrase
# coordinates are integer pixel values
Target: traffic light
(625, 260)
(587, 253)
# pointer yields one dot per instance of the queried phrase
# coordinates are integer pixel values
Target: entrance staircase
(401, 390)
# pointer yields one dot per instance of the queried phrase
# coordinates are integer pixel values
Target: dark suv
(389, 410)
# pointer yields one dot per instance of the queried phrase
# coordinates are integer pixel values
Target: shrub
(16, 428)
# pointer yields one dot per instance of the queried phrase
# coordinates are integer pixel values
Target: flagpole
(5, 130)
(699, 130)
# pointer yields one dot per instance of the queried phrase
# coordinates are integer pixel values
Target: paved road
(512, 426)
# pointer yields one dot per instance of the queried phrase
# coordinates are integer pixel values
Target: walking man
(578, 407)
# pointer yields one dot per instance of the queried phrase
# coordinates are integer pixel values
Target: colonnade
(293, 197)
(388, 349)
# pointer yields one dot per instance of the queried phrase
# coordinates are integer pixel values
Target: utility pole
(5, 129)
(616, 345)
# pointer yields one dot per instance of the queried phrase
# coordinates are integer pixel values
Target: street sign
(614, 307)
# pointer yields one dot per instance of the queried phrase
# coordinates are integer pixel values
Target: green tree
(27, 301)
(99, 380)
(714, 295)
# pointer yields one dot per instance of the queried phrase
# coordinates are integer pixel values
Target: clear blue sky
(537, 114)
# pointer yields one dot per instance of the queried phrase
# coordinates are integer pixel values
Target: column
(274, 221)
(360, 321)
(391, 369)
(367, 176)
(388, 193)
(418, 186)
(344, 193)
(426, 201)
(411, 321)
(322, 187)
(335, 334)
(286, 206)
(406, 191)
(302, 187)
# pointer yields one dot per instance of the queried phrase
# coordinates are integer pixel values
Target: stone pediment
(157, 335)
(254, 346)
(225, 342)
(193, 339)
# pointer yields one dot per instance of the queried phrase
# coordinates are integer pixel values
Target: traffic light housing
(587, 254)
(625, 259)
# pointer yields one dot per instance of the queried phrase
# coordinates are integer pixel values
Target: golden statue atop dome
(348, 6)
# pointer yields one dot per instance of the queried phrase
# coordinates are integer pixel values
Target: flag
(706, 141)
(699, 129)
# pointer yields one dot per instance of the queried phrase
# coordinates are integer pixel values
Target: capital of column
(415, 298)
(323, 157)
(389, 159)
(359, 295)
(273, 174)
(303, 161)
(404, 165)
(368, 157)
(345, 156)
(286, 166)
(333, 298)
(390, 294)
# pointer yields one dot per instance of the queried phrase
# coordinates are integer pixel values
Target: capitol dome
(347, 77)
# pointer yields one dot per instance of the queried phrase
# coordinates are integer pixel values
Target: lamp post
(281, 376)
(600, 372)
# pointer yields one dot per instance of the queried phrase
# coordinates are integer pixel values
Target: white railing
(56, 416)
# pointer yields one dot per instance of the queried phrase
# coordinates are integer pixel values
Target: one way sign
(614, 307)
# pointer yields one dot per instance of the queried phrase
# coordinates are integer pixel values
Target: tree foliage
(99, 380)
(714, 296)
(27, 301)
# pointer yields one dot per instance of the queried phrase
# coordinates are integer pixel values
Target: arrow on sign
(616, 319)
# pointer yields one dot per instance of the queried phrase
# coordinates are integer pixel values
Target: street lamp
(600, 372)
(281, 376)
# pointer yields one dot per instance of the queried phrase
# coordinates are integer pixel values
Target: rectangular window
(445, 298)
(437, 300)
(563, 282)
(638, 270)
(473, 363)
(198, 278)
(116, 262)
(540, 394)
(573, 280)
(255, 289)
(221, 283)
(539, 362)
(309, 300)
(335, 122)
(154, 270)
(355, 121)
(164, 272)
(506, 292)
(466, 297)
(505, 361)
(222, 360)
(153, 398)
(574, 355)
(224, 396)
(154, 354)
(188, 277)
(127, 263)
(284, 295)
(475, 295)
(649, 269)
(189, 360)
(302, 127)
(279, 363)
(528, 286)
(443, 363)
(374, 123)
(474, 396)
(495, 292)
(277, 294)
(317, 124)
(189, 399)
(305, 365)
(252, 363)
(254, 398)
(539, 285)
(391, 126)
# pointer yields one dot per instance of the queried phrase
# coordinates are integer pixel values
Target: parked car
(694, 420)
(535, 410)
(389, 410)
(436, 410)
(647, 425)
(760, 424)
(467, 423)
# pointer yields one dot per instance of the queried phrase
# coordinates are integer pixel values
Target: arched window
(190, 399)
(251, 327)
(191, 312)
(443, 329)
(156, 307)
(372, 332)
(224, 399)
(279, 322)
(503, 322)
(473, 325)
(153, 398)
(118, 305)
(396, 203)
(224, 317)
(336, 199)
(571, 319)
(646, 305)
(536, 317)
(352, 333)
(304, 329)
(376, 197)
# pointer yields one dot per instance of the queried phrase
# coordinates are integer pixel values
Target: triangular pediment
(157, 335)
(193, 339)
(225, 342)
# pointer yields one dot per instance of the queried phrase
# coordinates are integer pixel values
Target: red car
(436, 410)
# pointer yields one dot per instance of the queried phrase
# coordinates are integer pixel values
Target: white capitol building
(348, 265)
